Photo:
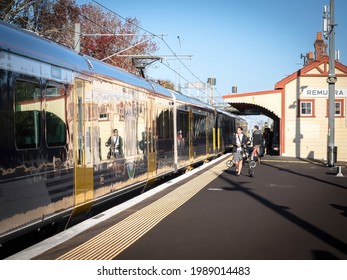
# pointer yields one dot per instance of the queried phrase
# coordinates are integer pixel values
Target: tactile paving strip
(108, 244)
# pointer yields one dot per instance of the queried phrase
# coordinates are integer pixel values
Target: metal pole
(179, 66)
(331, 80)
(77, 37)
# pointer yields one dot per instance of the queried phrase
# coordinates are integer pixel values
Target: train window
(166, 124)
(161, 114)
(55, 115)
(199, 128)
(183, 123)
(27, 114)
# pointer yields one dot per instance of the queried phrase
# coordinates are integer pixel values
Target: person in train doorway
(115, 143)
(180, 142)
(257, 139)
(239, 141)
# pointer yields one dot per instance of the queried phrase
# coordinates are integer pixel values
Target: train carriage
(58, 111)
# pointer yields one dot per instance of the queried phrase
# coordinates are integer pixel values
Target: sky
(248, 44)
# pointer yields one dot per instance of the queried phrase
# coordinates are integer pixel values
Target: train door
(217, 133)
(209, 135)
(151, 139)
(83, 149)
(211, 145)
(191, 135)
(216, 137)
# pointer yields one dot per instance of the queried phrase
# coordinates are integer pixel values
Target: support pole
(77, 37)
(331, 80)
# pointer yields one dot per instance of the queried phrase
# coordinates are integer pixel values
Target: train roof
(191, 100)
(160, 89)
(29, 44)
(229, 114)
(102, 69)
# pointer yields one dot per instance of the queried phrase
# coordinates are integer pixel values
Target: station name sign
(316, 92)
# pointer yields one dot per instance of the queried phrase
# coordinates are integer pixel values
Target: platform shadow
(285, 213)
(342, 208)
(305, 175)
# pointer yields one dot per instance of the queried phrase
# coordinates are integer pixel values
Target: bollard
(339, 171)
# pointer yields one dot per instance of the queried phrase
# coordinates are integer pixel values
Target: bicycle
(248, 161)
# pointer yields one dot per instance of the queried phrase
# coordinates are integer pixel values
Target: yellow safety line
(111, 242)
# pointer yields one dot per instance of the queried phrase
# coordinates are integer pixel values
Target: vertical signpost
(212, 83)
(329, 32)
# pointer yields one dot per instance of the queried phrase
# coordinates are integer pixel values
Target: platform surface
(290, 210)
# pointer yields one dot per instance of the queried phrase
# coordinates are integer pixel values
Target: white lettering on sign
(314, 92)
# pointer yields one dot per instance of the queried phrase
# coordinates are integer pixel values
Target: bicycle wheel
(252, 164)
(251, 172)
(229, 163)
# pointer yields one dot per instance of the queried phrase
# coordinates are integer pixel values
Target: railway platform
(291, 209)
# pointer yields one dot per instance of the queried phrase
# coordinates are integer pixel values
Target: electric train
(58, 108)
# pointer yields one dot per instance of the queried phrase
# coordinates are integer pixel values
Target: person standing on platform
(267, 140)
(257, 139)
(239, 142)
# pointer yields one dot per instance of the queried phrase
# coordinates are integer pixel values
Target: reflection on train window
(183, 123)
(55, 116)
(27, 114)
(199, 129)
(165, 124)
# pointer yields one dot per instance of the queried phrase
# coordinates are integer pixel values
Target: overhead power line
(166, 44)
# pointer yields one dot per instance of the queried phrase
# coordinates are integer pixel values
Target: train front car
(36, 159)
(58, 111)
(77, 132)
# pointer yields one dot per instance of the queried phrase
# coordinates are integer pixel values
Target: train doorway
(83, 150)
(151, 139)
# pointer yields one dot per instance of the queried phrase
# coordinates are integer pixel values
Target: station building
(298, 106)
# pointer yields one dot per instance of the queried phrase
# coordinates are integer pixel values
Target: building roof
(269, 102)
(315, 69)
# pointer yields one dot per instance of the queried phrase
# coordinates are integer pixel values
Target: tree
(23, 13)
(58, 22)
(104, 47)
(55, 20)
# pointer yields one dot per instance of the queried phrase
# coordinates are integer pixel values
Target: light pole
(329, 32)
(212, 83)
(179, 66)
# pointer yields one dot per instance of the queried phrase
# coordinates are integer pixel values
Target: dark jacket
(244, 142)
(257, 137)
(115, 150)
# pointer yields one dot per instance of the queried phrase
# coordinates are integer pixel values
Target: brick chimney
(309, 58)
(320, 47)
